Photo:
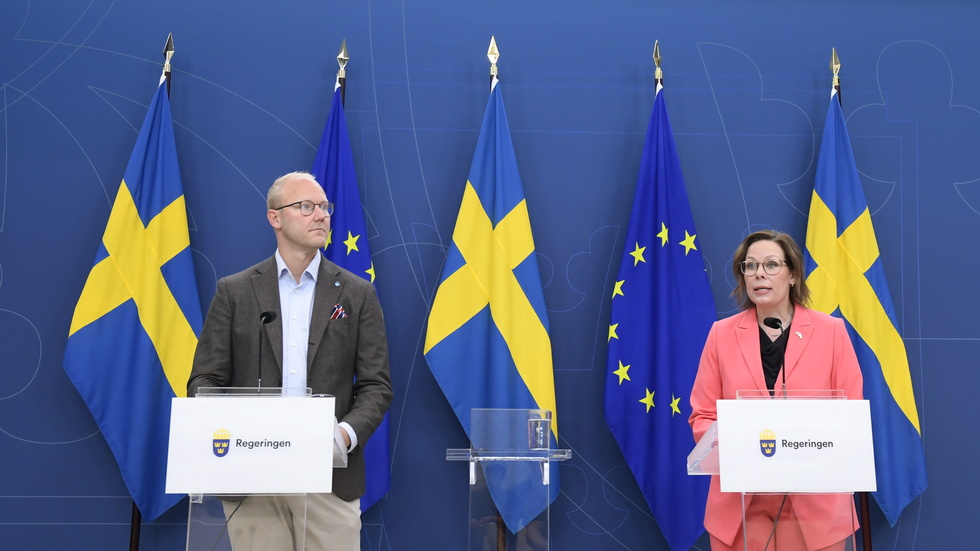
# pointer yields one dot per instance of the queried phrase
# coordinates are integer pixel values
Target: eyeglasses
(771, 266)
(306, 207)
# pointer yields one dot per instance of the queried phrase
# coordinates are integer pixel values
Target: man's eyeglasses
(771, 267)
(306, 207)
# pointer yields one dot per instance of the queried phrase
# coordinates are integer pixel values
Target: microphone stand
(776, 323)
(266, 318)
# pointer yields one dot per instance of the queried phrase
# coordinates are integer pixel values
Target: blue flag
(662, 310)
(846, 279)
(347, 246)
(487, 340)
(136, 324)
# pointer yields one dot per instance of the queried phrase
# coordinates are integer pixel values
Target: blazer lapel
(801, 328)
(265, 284)
(747, 335)
(329, 285)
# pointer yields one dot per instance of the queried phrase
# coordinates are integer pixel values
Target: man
(327, 333)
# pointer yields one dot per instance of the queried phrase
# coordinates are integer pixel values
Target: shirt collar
(313, 269)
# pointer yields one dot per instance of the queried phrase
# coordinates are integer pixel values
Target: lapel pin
(798, 334)
(337, 284)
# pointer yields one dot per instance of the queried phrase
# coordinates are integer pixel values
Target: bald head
(274, 198)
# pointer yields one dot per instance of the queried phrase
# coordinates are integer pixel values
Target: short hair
(275, 191)
(798, 293)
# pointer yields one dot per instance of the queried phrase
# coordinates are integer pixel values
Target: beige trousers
(278, 523)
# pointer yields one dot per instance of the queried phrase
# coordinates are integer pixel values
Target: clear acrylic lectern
(510, 458)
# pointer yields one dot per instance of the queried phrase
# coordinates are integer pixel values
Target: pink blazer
(819, 355)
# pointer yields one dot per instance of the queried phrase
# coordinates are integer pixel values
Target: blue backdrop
(747, 87)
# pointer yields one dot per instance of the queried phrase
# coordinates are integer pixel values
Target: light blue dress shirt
(296, 305)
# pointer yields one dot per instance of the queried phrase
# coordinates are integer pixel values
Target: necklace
(773, 334)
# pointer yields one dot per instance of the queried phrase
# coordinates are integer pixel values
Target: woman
(744, 352)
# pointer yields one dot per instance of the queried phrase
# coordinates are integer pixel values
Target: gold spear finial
(658, 74)
(168, 52)
(493, 55)
(835, 66)
(342, 59)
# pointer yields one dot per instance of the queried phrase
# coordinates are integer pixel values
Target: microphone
(777, 323)
(266, 318)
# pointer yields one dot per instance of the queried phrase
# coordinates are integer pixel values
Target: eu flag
(662, 310)
(487, 340)
(347, 246)
(136, 324)
(846, 279)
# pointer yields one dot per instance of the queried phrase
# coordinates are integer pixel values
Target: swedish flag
(487, 341)
(846, 279)
(347, 246)
(662, 310)
(136, 324)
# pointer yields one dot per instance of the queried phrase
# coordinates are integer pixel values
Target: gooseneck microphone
(269, 317)
(266, 318)
(776, 323)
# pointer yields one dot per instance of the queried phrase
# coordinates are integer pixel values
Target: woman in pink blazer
(743, 352)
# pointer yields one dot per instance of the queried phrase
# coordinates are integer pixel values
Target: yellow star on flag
(637, 254)
(612, 332)
(618, 290)
(648, 400)
(674, 408)
(351, 242)
(623, 372)
(688, 242)
(663, 234)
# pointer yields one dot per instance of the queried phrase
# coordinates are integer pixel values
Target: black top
(772, 355)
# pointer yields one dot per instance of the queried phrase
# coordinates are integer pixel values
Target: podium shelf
(470, 454)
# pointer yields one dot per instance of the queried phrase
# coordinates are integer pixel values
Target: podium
(510, 460)
(247, 458)
(792, 463)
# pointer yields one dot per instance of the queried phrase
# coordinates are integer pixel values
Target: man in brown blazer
(326, 332)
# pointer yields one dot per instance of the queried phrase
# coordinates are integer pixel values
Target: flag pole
(493, 55)
(835, 67)
(862, 496)
(342, 59)
(168, 52)
(134, 528)
(658, 74)
(136, 520)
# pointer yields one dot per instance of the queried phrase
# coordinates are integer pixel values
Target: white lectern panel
(821, 446)
(251, 445)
